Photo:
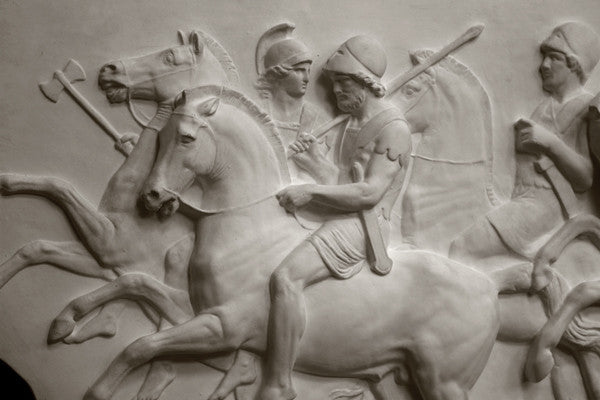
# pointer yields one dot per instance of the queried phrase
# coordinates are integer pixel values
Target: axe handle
(88, 107)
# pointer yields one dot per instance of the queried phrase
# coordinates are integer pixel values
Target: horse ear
(197, 44)
(209, 107)
(181, 37)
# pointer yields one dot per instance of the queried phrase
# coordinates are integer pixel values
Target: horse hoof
(59, 330)
(538, 365)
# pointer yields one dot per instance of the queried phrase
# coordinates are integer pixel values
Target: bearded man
(375, 146)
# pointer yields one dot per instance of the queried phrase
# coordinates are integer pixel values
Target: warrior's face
(295, 82)
(554, 70)
(350, 95)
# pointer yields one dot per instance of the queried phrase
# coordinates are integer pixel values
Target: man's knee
(282, 282)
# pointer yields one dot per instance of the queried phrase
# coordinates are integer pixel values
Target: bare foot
(160, 375)
(242, 372)
(102, 325)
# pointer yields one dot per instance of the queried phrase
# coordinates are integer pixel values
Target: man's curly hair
(375, 87)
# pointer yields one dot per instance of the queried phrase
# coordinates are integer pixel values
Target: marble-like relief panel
(260, 200)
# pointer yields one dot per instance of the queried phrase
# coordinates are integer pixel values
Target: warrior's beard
(349, 102)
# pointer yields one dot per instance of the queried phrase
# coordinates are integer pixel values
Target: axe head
(73, 72)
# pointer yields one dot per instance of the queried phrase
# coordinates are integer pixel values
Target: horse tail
(223, 57)
(582, 333)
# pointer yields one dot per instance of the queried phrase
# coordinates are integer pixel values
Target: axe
(73, 72)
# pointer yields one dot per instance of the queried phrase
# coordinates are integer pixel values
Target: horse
(451, 185)
(566, 323)
(441, 317)
(117, 239)
(451, 181)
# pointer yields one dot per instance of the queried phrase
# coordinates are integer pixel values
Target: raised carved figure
(553, 161)
(283, 66)
(374, 147)
(118, 239)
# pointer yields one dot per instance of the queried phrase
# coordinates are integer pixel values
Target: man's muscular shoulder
(394, 141)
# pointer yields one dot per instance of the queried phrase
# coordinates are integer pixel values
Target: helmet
(576, 40)
(359, 54)
(276, 47)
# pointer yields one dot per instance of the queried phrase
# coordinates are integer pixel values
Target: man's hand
(307, 152)
(127, 142)
(532, 138)
(296, 196)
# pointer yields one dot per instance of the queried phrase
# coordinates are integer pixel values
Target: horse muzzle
(161, 202)
(112, 80)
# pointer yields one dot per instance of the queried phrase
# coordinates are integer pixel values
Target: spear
(399, 81)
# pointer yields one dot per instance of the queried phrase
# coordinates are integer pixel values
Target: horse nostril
(154, 194)
(109, 67)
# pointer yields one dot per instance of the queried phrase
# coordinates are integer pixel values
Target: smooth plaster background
(39, 137)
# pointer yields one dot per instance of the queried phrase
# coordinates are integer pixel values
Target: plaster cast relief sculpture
(239, 274)
(283, 66)
(117, 240)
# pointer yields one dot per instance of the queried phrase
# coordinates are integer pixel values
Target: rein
(225, 209)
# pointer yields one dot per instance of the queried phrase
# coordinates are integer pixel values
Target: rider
(284, 70)
(554, 170)
(376, 141)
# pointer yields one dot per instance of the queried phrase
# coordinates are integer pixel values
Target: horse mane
(270, 131)
(223, 57)
(451, 64)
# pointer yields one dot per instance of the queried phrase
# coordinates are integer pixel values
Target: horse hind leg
(70, 256)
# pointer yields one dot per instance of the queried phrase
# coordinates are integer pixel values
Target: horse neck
(245, 169)
(456, 131)
(208, 71)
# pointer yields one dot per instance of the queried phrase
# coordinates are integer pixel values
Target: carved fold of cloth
(534, 213)
(342, 244)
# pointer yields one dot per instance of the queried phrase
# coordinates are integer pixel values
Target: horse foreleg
(539, 361)
(203, 335)
(92, 227)
(103, 324)
(587, 225)
(172, 304)
(70, 256)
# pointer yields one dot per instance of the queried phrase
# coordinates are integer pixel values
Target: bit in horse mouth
(115, 91)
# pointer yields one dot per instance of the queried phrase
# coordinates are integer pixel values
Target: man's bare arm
(392, 148)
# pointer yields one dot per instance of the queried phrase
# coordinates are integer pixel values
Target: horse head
(450, 107)
(162, 75)
(220, 143)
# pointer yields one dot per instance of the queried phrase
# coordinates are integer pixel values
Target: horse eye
(169, 58)
(186, 138)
